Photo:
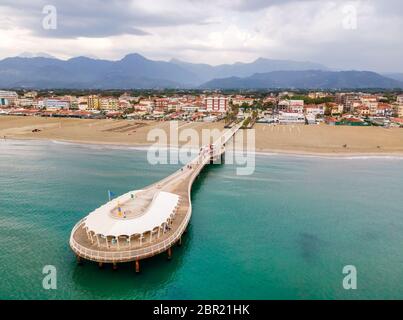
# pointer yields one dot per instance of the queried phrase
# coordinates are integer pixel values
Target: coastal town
(286, 107)
(201, 158)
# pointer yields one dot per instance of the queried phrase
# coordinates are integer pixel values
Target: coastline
(258, 152)
(319, 141)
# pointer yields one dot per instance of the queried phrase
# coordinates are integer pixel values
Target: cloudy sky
(360, 35)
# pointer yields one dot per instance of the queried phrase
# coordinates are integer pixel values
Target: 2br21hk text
(202, 309)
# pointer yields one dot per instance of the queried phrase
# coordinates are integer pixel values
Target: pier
(143, 223)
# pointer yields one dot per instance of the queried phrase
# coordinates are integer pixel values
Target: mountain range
(308, 79)
(134, 71)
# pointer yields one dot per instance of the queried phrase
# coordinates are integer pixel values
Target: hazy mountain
(38, 70)
(206, 72)
(133, 71)
(312, 79)
(396, 76)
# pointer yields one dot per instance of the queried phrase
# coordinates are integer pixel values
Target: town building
(315, 109)
(27, 102)
(283, 105)
(310, 118)
(297, 106)
(93, 102)
(82, 106)
(145, 105)
(108, 103)
(189, 108)
(216, 104)
(291, 118)
(348, 100)
(362, 111)
(8, 98)
(371, 102)
(161, 104)
(30, 94)
(335, 109)
(384, 110)
(54, 104)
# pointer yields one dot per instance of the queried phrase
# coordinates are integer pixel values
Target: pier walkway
(144, 223)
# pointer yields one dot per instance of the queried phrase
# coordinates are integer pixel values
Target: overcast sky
(362, 35)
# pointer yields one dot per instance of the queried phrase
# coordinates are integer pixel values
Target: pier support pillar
(79, 261)
(180, 241)
(115, 266)
(169, 253)
(100, 265)
(137, 266)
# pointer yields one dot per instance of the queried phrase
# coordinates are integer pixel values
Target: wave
(331, 157)
(100, 146)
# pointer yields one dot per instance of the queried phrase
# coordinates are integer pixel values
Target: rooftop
(136, 212)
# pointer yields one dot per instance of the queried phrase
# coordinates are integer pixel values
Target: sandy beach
(295, 139)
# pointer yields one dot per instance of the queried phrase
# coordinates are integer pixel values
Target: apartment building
(216, 104)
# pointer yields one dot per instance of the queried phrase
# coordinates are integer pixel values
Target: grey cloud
(255, 5)
(94, 18)
(282, 30)
(388, 8)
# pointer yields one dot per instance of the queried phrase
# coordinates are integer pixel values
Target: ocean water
(285, 232)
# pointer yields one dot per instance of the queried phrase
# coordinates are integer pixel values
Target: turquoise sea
(284, 232)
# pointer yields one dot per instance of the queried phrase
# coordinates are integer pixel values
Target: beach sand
(296, 139)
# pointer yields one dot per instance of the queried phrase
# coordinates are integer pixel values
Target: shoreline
(257, 152)
(300, 140)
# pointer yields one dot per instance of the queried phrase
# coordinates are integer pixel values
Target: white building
(284, 105)
(291, 118)
(54, 104)
(27, 103)
(145, 105)
(216, 104)
(297, 106)
(8, 98)
(311, 118)
(315, 110)
(31, 95)
(291, 105)
(189, 108)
